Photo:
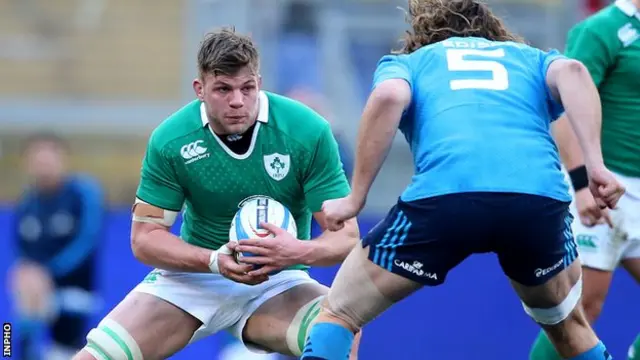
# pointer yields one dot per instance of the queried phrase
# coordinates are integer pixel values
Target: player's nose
(237, 99)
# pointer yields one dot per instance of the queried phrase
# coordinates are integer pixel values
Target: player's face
(231, 101)
(45, 163)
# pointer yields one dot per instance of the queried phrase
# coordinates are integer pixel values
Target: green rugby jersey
(608, 43)
(293, 158)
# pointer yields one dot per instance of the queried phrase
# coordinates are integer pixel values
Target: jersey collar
(628, 8)
(263, 111)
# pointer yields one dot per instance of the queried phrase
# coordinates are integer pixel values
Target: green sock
(634, 350)
(543, 349)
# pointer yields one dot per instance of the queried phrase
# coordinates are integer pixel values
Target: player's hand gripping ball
(246, 222)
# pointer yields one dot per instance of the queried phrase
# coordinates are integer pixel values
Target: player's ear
(198, 88)
(259, 81)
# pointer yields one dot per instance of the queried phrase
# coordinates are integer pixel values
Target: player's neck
(636, 3)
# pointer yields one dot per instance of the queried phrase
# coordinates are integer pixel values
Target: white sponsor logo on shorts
(543, 272)
(415, 268)
(194, 151)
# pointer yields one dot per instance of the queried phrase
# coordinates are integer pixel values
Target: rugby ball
(259, 209)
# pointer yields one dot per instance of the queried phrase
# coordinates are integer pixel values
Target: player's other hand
(588, 210)
(273, 254)
(604, 187)
(230, 269)
(337, 211)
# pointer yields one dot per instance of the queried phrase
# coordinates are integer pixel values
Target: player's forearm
(331, 247)
(568, 145)
(379, 125)
(161, 249)
(581, 101)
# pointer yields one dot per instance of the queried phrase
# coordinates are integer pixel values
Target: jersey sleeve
(325, 178)
(392, 67)
(546, 58)
(588, 45)
(159, 184)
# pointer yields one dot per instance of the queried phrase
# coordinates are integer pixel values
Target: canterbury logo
(194, 151)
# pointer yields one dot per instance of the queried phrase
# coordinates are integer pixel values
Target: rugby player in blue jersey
(475, 105)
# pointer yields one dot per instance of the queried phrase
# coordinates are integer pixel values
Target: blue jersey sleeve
(546, 58)
(392, 67)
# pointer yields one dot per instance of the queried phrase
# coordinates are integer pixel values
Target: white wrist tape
(213, 259)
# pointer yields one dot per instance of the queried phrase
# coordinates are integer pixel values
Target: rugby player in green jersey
(232, 143)
(608, 44)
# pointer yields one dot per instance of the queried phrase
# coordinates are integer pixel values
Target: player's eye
(223, 90)
(248, 88)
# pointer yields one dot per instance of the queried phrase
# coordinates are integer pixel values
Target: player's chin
(236, 126)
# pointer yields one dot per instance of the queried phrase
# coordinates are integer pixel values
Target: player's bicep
(325, 178)
(551, 78)
(557, 70)
(392, 94)
(143, 212)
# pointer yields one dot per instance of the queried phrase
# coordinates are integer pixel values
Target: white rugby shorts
(219, 303)
(603, 248)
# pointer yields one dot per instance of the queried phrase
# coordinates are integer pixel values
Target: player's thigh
(595, 288)
(552, 292)
(270, 326)
(629, 230)
(158, 327)
(362, 289)
(632, 265)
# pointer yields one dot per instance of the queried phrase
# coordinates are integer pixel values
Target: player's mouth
(236, 119)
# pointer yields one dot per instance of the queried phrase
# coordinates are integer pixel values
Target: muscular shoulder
(605, 22)
(297, 121)
(178, 125)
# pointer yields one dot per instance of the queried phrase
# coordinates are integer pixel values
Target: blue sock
(328, 341)
(599, 352)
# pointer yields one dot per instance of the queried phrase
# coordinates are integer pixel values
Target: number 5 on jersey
(456, 62)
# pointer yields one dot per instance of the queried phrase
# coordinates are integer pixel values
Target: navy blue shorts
(423, 240)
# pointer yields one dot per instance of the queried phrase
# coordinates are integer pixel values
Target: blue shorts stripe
(377, 253)
(386, 262)
(404, 231)
(569, 245)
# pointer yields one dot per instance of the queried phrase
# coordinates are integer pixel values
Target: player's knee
(111, 341)
(560, 312)
(355, 299)
(592, 305)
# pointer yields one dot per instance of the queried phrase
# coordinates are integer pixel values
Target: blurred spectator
(298, 55)
(57, 228)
